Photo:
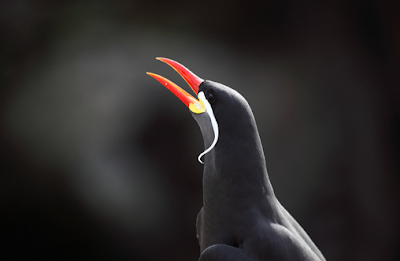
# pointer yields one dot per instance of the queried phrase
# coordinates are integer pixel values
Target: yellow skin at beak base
(199, 108)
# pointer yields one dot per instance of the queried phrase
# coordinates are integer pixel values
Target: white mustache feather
(213, 123)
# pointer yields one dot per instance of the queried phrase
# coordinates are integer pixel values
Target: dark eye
(211, 97)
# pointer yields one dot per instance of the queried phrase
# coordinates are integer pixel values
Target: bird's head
(221, 112)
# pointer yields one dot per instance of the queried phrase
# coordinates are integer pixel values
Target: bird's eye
(211, 97)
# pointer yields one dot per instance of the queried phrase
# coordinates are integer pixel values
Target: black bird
(241, 218)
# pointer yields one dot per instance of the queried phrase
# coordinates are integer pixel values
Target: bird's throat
(236, 172)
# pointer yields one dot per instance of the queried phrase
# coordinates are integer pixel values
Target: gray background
(98, 160)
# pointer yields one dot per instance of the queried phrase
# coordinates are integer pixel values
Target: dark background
(98, 160)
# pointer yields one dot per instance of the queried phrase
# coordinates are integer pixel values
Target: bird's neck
(236, 169)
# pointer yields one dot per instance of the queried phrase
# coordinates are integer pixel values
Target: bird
(241, 218)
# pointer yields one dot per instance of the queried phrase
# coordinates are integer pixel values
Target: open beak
(195, 105)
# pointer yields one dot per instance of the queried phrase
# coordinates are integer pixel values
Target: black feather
(241, 218)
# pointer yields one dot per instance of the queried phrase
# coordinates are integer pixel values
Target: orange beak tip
(162, 59)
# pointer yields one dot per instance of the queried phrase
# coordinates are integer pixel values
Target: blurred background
(98, 160)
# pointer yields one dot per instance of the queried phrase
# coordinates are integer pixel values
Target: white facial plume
(214, 124)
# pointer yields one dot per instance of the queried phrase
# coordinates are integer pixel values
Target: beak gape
(193, 80)
(197, 106)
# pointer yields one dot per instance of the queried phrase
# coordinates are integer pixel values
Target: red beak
(192, 79)
(194, 82)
